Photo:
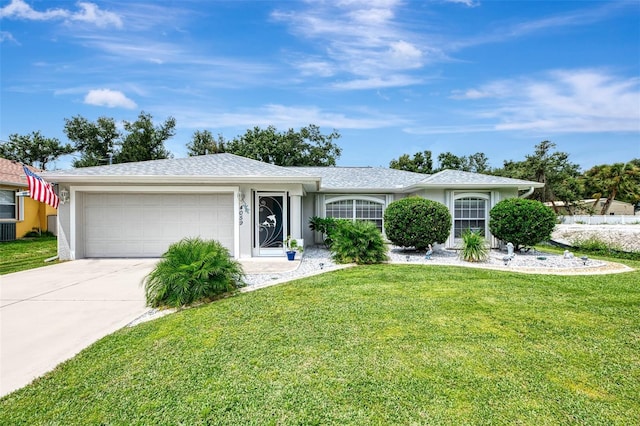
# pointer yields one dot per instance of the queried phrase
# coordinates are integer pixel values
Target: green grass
(383, 344)
(27, 253)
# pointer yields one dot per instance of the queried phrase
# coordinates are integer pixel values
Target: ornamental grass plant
(474, 247)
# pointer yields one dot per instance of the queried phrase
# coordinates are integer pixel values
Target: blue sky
(392, 77)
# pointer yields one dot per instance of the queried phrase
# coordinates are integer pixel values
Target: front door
(270, 223)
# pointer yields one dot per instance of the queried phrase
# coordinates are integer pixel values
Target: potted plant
(292, 247)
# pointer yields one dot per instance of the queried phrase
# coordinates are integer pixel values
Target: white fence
(600, 219)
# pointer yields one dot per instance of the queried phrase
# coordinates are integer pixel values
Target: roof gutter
(528, 193)
(7, 183)
(168, 179)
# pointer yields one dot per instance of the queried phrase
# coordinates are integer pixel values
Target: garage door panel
(144, 225)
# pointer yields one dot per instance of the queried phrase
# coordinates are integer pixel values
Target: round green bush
(357, 242)
(192, 270)
(521, 222)
(417, 222)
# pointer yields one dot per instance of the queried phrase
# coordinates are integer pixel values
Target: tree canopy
(94, 141)
(143, 141)
(420, 163)
(560, 176)
(306, 147)
(34, 149)
(620, 180)
(476, 163)
(203, 143)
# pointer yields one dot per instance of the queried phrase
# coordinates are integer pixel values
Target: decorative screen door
(270, 223)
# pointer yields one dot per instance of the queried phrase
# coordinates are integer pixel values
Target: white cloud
(316, 68)
(283, 117)
(377, 82)
(561, 101)
(89, 13)
(21, 10)
(469, 3)
(109, 98)
(362, 40)
(405, 54)
(495, 89)
(7, 36)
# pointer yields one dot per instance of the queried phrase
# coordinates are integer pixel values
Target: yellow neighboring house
(20, 215)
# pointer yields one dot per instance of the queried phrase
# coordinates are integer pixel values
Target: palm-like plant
(358, 242)
(192, 270)
(474, 247)
(612, 180)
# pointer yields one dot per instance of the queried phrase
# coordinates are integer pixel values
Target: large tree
(34, 149)
(620, 180)
(560, 176)
(448, 160)
(95, 141)
(420, 163)
(143, 141)
(423, 163)
(203, 143)
(476, 163)
(306, 147)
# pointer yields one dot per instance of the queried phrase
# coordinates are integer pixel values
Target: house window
(365, 210)
(7, 204)
(469, 213)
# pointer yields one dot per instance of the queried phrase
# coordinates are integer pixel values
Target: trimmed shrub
(417, 222)
(521, 222)
(192, 270)
(357, 242)
(474, 247)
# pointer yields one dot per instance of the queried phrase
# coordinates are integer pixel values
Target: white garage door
(144, 225)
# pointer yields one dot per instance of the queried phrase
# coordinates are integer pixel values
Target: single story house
(20, 215)
(138, 209)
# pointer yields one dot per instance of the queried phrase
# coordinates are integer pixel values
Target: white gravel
(317, 260)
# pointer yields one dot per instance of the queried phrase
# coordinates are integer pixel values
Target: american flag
(40, 189)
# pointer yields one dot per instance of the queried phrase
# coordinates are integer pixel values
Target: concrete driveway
(49, 314)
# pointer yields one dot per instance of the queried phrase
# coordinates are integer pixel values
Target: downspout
(528, 193)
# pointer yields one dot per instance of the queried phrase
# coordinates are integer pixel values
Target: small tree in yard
(417, 222)
(521, 222)
(357, 242)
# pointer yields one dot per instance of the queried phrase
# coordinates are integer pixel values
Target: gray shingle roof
(362, 178)
(460, 178)
(215, 166)
(233, 168)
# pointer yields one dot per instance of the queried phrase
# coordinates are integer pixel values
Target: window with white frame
(356, 209)
(8, 204)
(470, 213)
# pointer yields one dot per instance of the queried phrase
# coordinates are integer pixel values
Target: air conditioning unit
(7, 231)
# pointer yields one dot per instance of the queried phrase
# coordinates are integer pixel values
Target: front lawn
(384, 344)
(26, 253)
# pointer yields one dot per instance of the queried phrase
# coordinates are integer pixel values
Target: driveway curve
(49, 314)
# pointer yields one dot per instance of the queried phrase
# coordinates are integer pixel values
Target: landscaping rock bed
(532, 261)
(317, 260)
